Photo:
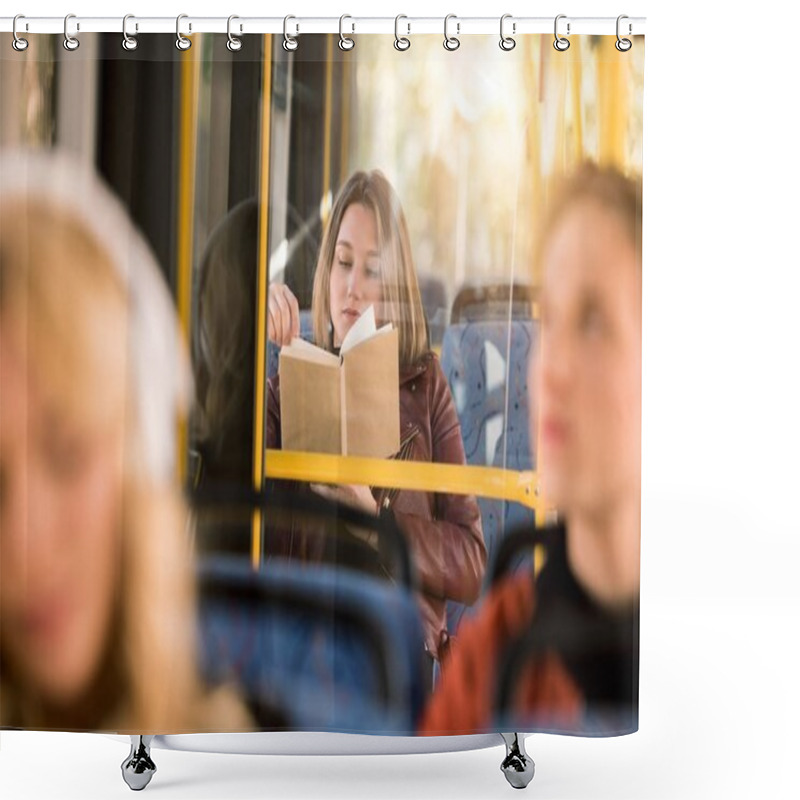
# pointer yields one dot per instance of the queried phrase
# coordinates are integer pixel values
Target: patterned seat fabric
(481, 359)
(324, 648)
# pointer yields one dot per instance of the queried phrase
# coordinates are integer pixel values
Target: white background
(720, 535)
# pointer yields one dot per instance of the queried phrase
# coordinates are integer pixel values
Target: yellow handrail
(262, 290)
(424, 476)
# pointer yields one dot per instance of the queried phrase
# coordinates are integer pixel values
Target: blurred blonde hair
(402, 302)
(80, 286)
(608, 188)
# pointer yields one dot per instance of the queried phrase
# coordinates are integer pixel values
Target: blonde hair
(402, 302)
(95, 316)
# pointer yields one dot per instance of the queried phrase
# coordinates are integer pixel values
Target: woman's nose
(554, 362)
(354, 282)
(13, 523)
(26, 521)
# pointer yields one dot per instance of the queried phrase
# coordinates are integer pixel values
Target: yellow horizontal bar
(423, 476)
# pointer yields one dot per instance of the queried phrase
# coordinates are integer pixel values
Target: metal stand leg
(517, 766)
(138, 768)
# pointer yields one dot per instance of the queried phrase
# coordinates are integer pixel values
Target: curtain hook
(506, 42)
(19, 44)
(561, 43)
(401, 42)
(451, 42)
(289, 42)
(181, 42)
(234, 43)
(345, 42)
(128, 42)
(623, 45)
(70, 42)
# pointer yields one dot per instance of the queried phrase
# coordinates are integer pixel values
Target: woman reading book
(365, 261)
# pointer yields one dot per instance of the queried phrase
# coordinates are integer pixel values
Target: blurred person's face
(60, 508)
(355, 282)
(589, 369)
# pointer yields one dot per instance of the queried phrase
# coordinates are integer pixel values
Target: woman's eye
(65, 455)
(345, 264)
(373, 272)
(592, 320)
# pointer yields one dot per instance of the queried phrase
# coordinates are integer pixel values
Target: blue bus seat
(476, 358)
(326, 648)
(434, 303)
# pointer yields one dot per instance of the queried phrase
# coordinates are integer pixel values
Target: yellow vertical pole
(560, 63)
(345, 77)
(187, 132)
(262, 290)
(577, 107)
(612, 104)
(532, 195)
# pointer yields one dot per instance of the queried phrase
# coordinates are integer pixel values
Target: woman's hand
(359, 497)
(284, 315)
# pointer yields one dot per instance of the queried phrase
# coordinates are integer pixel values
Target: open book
(347, 404)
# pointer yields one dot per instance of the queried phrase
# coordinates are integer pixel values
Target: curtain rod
(349, 25)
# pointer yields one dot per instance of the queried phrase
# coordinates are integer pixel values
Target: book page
(363, 329)
(372, 397)
(311, 405)
(300, 348)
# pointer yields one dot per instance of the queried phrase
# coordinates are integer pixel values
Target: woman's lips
(554, 431)
(45, 620)
(351, 313)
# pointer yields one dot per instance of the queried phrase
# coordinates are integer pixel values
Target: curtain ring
(623, 45)
(506, 42)
(234, 44)
(181, 42)
(128, 42)
(561, 44)
(401, 42)
(289, 42)
(19, 44)
(70, 42)
(451, 42)
(345, 42)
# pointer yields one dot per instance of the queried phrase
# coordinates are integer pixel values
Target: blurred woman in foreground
(97, 614)
(588, 377)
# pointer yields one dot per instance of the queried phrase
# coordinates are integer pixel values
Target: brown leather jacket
(443, 531)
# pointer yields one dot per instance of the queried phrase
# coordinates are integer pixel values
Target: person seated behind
(588, 379)
(365, 260)
(223, 361)
(97, 611)
(223, 348)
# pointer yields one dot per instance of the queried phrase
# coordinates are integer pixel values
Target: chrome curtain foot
(138, 768)
(517, 766)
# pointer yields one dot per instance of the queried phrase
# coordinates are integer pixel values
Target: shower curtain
(320, 401)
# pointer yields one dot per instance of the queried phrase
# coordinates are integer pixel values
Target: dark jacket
(443, 531)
